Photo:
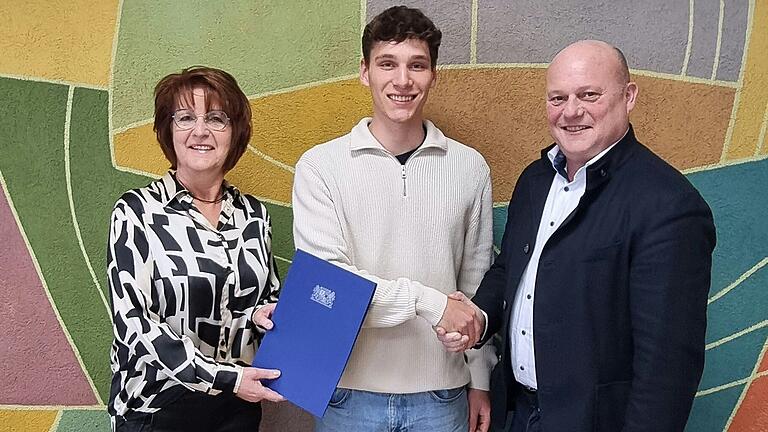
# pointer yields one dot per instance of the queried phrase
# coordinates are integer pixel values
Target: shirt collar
(362, 138)
(557, 158)
(172, 190)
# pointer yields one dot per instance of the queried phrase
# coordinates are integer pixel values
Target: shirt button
(222, 344)
(523, 332)
(551, 223)
(566, 189)
(526, 248)
(603, 173)
(528, 296)
(522, 367)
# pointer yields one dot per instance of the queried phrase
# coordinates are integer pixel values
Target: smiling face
(200, 151)
(399, 76)
(589, 100)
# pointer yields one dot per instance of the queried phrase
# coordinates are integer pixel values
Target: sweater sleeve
(477, 257)
(317, 229)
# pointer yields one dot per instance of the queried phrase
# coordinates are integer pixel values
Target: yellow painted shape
(58, 40)
(137, 149)
(26, 420)
(750, 113)
(288, 124)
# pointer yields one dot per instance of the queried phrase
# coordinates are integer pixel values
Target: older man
(600, 290)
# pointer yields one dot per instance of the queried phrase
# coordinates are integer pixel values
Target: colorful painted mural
(76, 79)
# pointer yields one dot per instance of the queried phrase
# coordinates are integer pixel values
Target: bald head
(589, 98)
(597, 51)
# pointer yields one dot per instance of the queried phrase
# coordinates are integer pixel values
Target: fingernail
(276, 373)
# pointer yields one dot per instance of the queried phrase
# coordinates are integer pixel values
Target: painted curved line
(731, 384)
(51, 81)
(44, 283)
(739, 280)
(70, 197)
(761, 137)
(52, 407)
(689, 44)
(753, 376)
(55, 425)
(737, 97)
(271, 160)
(110, 91)
(363, 15)
(746, 331)
(720, 18)
(473, 34)
(725, 164)
(279, 258)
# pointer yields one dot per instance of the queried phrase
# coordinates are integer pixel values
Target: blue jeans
(432, 411)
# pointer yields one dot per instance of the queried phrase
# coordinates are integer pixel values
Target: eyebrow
(392, 57)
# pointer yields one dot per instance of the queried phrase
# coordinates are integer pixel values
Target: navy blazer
(621, 294)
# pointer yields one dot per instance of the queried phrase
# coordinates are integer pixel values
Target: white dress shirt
(562, 199)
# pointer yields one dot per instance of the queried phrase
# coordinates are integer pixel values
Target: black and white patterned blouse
(183, 292)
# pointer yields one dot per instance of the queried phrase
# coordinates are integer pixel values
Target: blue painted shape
(734, 360)
(710, 413)
(746, 304)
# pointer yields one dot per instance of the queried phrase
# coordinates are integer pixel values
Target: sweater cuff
(430, 305)
(481, 362)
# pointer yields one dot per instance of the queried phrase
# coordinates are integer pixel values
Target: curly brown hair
(399, 23)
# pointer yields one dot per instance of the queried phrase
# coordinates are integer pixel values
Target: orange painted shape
(58, 40)
(751, 112)
(288, 124)
(27, 420)
(764, 365)
(752, 414)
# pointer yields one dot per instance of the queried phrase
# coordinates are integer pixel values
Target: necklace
(213, 201)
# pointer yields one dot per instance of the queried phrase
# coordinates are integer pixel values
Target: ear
(434, 78)
(630, 93)
(364, 73)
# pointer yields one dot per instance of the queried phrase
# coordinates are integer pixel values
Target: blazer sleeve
(669, 277)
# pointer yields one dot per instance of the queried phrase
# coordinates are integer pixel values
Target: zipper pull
(404, 180)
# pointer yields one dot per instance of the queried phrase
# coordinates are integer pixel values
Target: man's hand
(262, 316)
(251, 388)
(479, 410)
(464, 335)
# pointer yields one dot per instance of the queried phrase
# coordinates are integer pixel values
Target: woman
(189, 261)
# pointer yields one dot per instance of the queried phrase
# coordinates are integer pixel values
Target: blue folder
(316, 323)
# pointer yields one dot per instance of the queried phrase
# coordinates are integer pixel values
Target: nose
(402, 77)
(573, 108)
(200, 129)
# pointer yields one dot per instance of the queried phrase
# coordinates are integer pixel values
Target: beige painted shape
(137, 149)
(750, 112)
(58, 40)
(26, 420)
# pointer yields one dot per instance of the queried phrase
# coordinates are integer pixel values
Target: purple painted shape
(37, 363)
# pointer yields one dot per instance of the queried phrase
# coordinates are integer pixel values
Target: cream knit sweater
(420, 231)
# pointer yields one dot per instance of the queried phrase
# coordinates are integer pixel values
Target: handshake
(462, 324)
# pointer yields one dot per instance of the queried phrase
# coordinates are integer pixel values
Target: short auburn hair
(397, 24)
(220, 89)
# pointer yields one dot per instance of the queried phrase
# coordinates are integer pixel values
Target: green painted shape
(266, 45)
(739, 207)
(96, 184)
(32, 161)
(710, 413)
(84, 421)
(282, 235)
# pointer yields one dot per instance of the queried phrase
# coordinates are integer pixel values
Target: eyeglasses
(214, 120)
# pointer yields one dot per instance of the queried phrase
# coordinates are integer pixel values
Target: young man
(399, 203)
